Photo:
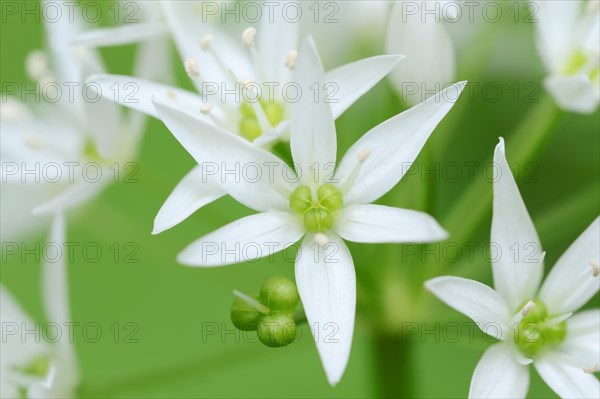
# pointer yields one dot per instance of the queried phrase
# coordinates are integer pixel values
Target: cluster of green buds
(318, 215)
(538, 329)
(271, 314)
(250, 127)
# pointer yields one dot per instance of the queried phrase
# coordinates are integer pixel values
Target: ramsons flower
(258, 69)
(315, 201)
(31, 367)
(568, 40)
(65, 147)
(534, 322)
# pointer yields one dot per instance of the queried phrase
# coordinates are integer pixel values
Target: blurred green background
(173, 306)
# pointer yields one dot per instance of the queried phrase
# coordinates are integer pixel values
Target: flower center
(537, 330)
(581, 63)
(318, 215)
(249, 125)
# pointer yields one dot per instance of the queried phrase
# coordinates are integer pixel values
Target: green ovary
(318, 215)
(249, 126)
(536, 331)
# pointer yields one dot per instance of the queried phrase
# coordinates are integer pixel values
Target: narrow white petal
(312, 136)
(244, 240)
(353, 80)
(430, 62)
(573, 93)
(571, 282)
(124, 34)
(276, 37)
(567, 381)
(250, 174)
(517, 258)
(499, 375)
(476, 300)
(394, 145)
(379, 224)
(582, 343)
(193, 192)
(74, 195)
(327, 285)
(137, 94)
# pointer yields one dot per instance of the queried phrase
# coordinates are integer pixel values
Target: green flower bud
(279, 293)
(274, 113)
(249, 128)
(301, 199)
(244, 316)
(318, 220)
(330, 197)
(247, 110)
(277, 329)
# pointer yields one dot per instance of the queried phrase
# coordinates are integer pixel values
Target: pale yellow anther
(248, 37)
(321, 239)
(36, 64)
(290, 60)
(595, 268)
(528, 306)
(171, 94)
(364, 154)
(206, 108)
(591, 370)
(191, 68)
(206, 41)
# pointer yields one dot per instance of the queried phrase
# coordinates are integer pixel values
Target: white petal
(327, 285)
(312, 136)
(276, 37)
(355, 79)
(571, 283)
(430, 62)
(76, 194)
(573, 93)
(567, 381)
(582, 343)
(124, 34)
(244, 240)
(394, 145)
(517, 263)
(193, 192)
(499, 375)
(378, 224)
(476, 300)
(137, 94)
(250, 174)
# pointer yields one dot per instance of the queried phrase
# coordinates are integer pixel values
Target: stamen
(290, 60)
(171, 94)
(206, 108)
(527, 308)
(251, 301)
(248, 37)
(557, 320)
(206, 41)
(595, 268)
(191, 68)
(36, 64)
(362, 157)
(321, 239)
(591, 370)
(364, 154)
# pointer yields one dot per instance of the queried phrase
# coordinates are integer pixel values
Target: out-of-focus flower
(62, 150)
(316, 201)
(568, 40)
(243, 91)
(31, 367)
(534, 324)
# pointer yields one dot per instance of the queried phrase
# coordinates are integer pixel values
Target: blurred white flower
(314, 202)
(31, 367)
(533, 323)
(61, 147)
(568, 40)
(220, 68)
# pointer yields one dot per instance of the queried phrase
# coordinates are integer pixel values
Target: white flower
(429, 49)
(30, 367)
(52, 149)
(568, 40)
(265, 57)
(315, 203)
(533, 323)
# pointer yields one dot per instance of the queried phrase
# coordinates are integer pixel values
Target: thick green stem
(523, 146)
(393, 369)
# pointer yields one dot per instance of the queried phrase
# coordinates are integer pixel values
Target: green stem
(523, 145)
(393, 365)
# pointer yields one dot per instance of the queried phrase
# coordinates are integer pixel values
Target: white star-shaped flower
(568, 40)
(533, 323)
(29, 366)
(262, 57)
(313, 201)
